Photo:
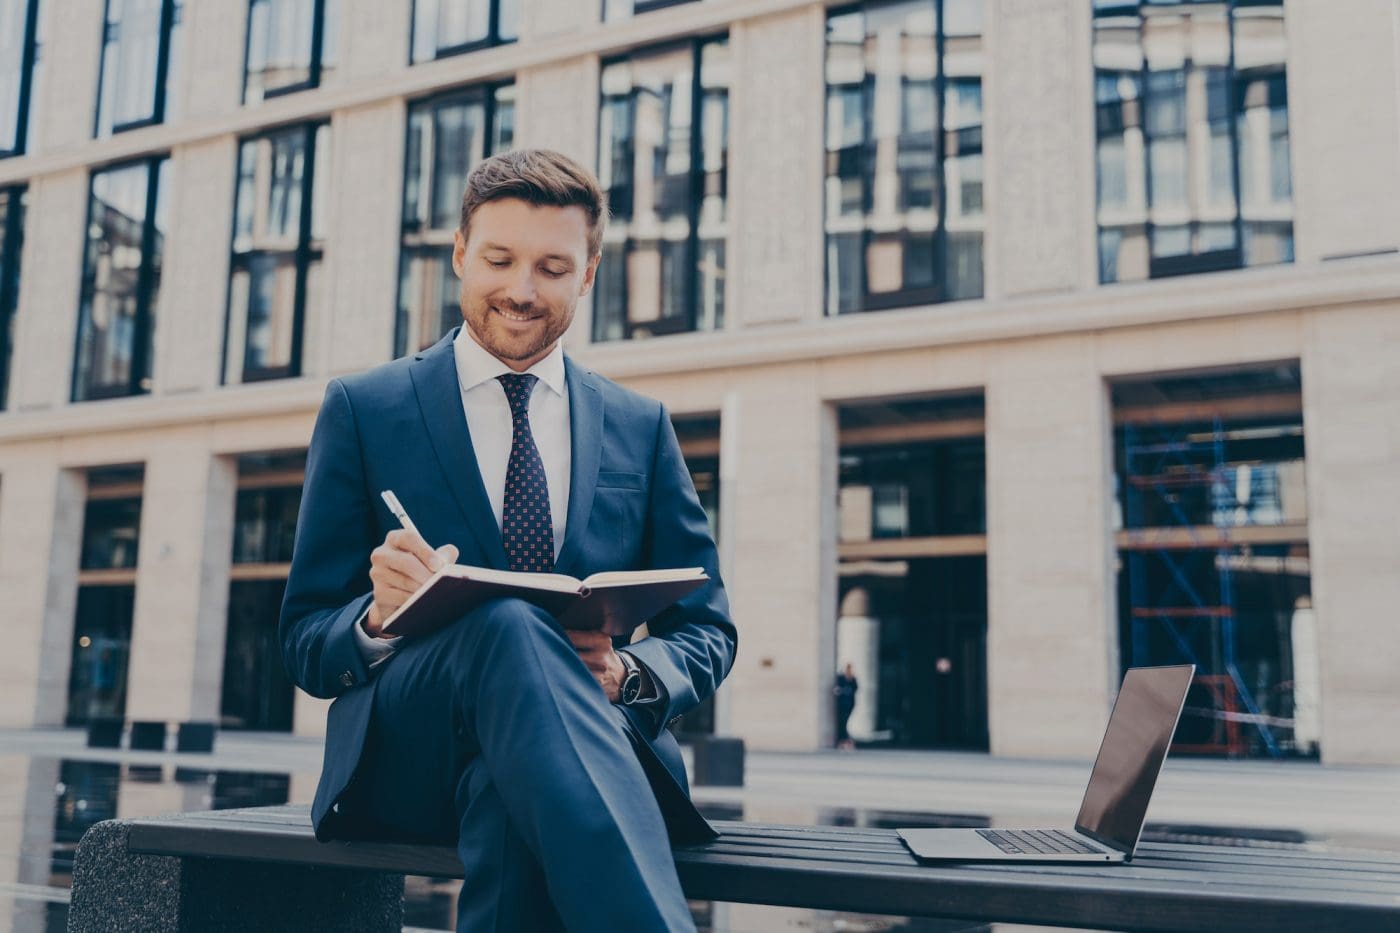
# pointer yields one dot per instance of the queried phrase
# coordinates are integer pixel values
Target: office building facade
(1010, 342)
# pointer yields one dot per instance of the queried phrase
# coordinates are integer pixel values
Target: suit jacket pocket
(608, 479)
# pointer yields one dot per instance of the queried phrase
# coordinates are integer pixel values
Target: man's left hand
(596, 651)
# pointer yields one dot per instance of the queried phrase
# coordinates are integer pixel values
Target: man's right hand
(397, 568)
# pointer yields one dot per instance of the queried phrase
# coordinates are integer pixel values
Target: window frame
(26, 80)
(484, 93)
(142, 350)
(641, 7)
(684, 323)
(168, 11)
(11, 252)
(491, 39)
(313, 65)
(303, 254)
(906, 297)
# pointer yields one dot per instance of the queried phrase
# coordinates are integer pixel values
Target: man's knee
(502, 621)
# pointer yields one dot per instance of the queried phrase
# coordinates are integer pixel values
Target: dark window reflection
(1193, 165)
(19, 49)
(128, 215)
(86, 794)
(140, 63)
(257, 693)
(914, 490)
(101, 644)
(447, 137)
(663, 158)
(451, 27)
(291, 46)
(265, 524)
(623, 9)
(111, 529)
(904, 191)
(278, 236)
(235, 789)
(12, 206)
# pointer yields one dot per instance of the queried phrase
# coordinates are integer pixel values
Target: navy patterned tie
(527, 527)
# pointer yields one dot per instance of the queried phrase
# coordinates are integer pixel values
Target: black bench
(262, 869)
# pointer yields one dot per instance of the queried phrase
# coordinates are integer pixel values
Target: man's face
(523, 270)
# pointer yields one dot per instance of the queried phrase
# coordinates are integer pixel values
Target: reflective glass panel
(663, 159)
(121, 281)
(1192, 137)
(904, 173)
(447, 137)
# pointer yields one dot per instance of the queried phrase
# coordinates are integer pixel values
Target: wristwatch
(631, 681)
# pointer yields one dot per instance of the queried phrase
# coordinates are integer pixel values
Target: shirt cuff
(374, 650)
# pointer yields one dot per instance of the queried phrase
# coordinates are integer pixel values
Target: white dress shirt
(489, 421)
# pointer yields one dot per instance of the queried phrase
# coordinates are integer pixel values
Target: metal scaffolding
(1164, 463)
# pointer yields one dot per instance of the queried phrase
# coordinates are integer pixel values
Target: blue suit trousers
(492, 733)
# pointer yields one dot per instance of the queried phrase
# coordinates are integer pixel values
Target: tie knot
(518, 387)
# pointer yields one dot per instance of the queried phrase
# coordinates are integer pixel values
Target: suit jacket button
(347, 679)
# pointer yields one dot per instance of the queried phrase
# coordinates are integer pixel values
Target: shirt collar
(476, 365)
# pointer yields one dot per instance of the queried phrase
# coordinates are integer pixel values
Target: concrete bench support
(114, 889)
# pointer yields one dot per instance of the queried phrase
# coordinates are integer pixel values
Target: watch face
(631, 686)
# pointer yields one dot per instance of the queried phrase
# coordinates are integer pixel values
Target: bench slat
(868, 870)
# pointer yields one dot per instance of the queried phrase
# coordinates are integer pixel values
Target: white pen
(392, 501)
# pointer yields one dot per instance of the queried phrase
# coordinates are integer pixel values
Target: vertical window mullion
(318, 27)
(167, 25)
(142, 329)
(697, 182)
(940, 153)
(303, 250)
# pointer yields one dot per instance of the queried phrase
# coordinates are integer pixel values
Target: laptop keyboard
(1036, 842)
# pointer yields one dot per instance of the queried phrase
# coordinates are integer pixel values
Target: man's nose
(521, 288)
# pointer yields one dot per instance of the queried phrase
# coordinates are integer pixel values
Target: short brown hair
(541, 177)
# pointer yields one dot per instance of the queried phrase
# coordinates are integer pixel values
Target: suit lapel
(586, 449)
(440, 400)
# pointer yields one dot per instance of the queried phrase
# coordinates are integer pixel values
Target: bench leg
(117, 890)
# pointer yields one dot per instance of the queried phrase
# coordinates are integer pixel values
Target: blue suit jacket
(401, 426)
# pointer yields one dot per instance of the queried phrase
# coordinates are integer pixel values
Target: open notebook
(615, 602)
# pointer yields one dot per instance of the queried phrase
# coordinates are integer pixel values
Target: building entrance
(915, 633)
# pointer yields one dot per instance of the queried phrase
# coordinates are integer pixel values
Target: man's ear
(589, 274)
(459, 253)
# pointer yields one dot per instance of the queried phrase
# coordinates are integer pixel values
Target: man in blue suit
(542, 753)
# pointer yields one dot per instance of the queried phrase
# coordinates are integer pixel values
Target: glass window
(101, 644)
(12, 203)
(905, 210)
(451, 27)
(291, 46)
(111, 533)
(447, 137)
(623, 9)
(278, 237)
(18, 55)
(1192, 137)
(128, 216)
(264, 526)
(138, 63)
(663, 159)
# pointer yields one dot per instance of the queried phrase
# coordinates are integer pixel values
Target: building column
(46, 321)
(189, 336)
(1040, 147)
(352, 328)
(309, 714)
(1051, 634)
(41, 529)
(782, 587)
(1351, 413)
(182, 580)
(775, 176)
(1344, 130)
(71, 59)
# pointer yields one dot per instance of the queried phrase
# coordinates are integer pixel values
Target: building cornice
(1207, 297)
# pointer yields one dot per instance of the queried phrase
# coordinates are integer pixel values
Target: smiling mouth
(513, 316)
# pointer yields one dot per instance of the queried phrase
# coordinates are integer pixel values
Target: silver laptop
(1115, 803)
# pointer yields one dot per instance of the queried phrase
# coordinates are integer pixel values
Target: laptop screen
(1134, 746)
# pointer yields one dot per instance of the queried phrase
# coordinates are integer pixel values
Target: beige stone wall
(1351, 394)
